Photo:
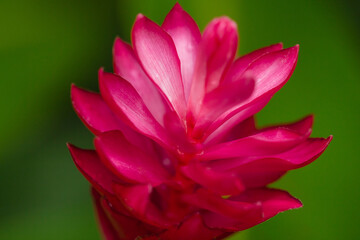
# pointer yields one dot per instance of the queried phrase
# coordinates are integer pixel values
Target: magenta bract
(178, 155)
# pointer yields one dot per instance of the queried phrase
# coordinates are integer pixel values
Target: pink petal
(305, 152)
(221, 39)
(216, 51)
(259, 171)
(223, 130)
(127, 161)
(126, 102)
(271, 72)
(223, 98)
(127, 228)
(97, 116)
(242, 129)
(128, 67)
(93, 111)
(186, 36)
(192, 228)
(158, 56)
(298, 156)
(242, 63)
(248, 127)
(89, 164)
(267, 142)
(108, 231)
(205, 200)
(137, 199)
(302, 126)
(259, 178)
(221, 183)
(271, 202)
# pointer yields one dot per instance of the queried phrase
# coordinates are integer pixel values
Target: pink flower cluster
(178, 155)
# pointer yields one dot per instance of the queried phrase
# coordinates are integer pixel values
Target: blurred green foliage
(46, 45)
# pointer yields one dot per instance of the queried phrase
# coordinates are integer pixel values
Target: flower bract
(177, 151)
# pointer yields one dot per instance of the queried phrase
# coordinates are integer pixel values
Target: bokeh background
(47, 45)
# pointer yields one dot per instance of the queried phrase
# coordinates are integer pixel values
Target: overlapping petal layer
(265, 203)
(214, 55)
(186, 36)
(271, 71)
(130, 107)
(158, 56)
(128, 161)
(93, 111)
(128, 67)
(177, 151)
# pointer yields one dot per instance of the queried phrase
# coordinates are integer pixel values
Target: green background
(46, 45)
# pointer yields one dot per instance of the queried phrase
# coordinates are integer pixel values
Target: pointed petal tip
(309, 117)
(294, 48)
(300, 204)
(101, 71)
(118, 46)
(303, 126)
(117, 38)
(223, 24)
(177, 6)
(72, 147)
(101, 75)
(75, 90)
(293, 202)
(69, 145)
(140, 16)
(276, 46)
(117, 41)
(176, 10)
(226, 21)
(291, 54)
(297, 47)
(75, 93)
(326, 141)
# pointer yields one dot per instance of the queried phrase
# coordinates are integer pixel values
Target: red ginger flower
(177, 154)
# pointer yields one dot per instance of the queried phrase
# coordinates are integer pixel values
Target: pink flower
(177, 154)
